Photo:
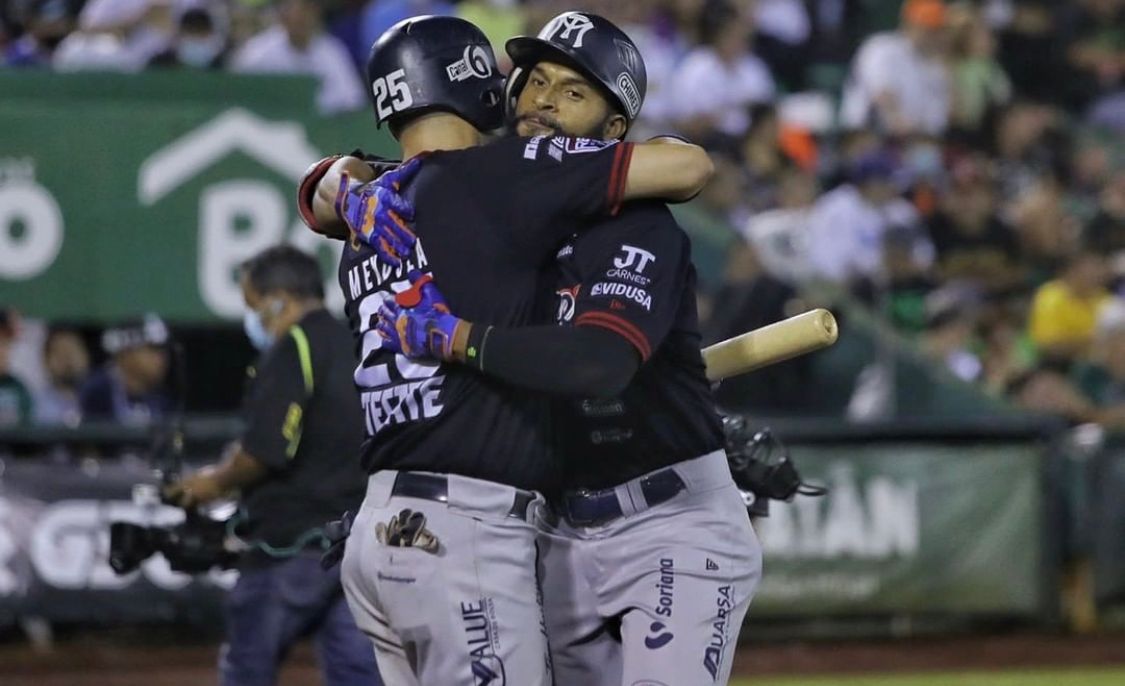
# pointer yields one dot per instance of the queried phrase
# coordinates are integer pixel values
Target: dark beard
(594, 131)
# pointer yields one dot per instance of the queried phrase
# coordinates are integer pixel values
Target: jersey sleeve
(306, 189)
(543, 185)
(276, 403)
(633, 270)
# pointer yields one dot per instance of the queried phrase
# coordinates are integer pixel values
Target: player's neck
(437, 131)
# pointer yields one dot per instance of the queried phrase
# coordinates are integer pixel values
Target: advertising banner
(122, 194)
(907, 528)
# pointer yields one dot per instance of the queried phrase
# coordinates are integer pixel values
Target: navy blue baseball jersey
(488, 220)
(633, 275)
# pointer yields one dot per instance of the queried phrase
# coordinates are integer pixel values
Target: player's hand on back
(377, 214)
(418, 323)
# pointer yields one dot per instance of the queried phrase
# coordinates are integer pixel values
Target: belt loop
(379, 487)
(625, 499)
(636, 492)
(705, 472)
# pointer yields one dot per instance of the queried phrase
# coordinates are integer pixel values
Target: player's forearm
(674, 171)
(574, 361)
(324, 199)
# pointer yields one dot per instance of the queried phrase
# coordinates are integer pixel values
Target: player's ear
(614, 127)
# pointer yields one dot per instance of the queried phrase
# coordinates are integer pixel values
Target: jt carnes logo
(633, 258)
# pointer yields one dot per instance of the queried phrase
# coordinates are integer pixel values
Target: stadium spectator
(15, 400)
(1006, 352)
(1095, 390)
(298, 44)
(1088, 170)
(199, 43)
(1106, 231)
(899, 80)
(67, 363)
(836, 29)
(663, 36)
(381, 15)
(952, 315)
(1102, 379)
(1096, 49)
(783, 32)
(769, 151)
(780, 236)
(1047, 232)
(971, 241)
(762, 157)
(499, 19)
(979, 81)
(1027, 144)
(1029, 50)
(752, 297)
(1065, 310)
(848, 225)
(120, 35)
(924, 173)
(721, 78)
(49, 22)
(130, 388)
(905, 279)
(708, 221)
(344, 23)
(1108, 113)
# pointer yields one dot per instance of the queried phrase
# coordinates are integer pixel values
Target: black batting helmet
(593, 44)
(435, 63)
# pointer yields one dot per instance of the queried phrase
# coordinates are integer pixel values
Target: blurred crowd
(59, 384)
(958, 166)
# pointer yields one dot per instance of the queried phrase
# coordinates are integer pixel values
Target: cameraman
(296, 468)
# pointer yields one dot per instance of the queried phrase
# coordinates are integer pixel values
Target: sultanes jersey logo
(570, 27)
(568, 298)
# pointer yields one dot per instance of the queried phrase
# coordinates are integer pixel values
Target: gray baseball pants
(469, 614)
(657, 596)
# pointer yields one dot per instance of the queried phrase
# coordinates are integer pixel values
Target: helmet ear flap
(517, 79)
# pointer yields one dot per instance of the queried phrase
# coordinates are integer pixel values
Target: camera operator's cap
(149, 330)
(930, 14)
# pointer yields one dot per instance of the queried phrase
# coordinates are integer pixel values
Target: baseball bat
(780, 341)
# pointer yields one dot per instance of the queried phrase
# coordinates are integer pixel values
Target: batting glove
(418, 323)
(377, 214)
